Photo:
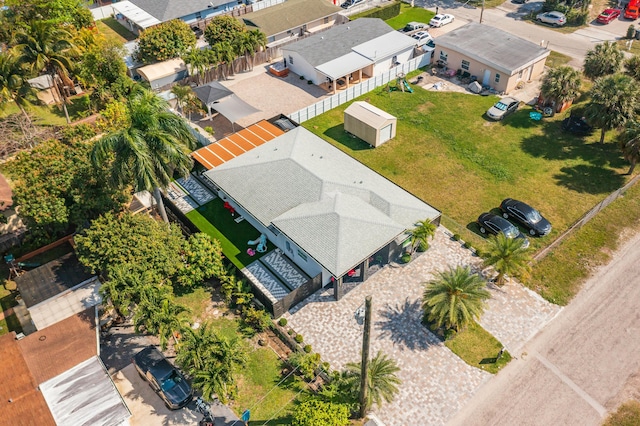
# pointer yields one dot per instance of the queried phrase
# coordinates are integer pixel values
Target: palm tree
(420, 235)
(454, 298)
(382, 383)
(630, 143)
(226, 55)
(229, 352)
(197, 61)
(258, 42)
(604, 59)
(507, 256)
(153, 148)
(241, 47)
(561, 84)
(47, 47)
(13, 83)
(182, 93)
(632, 67)
(193, 351)
(614, 100)
(159, 314)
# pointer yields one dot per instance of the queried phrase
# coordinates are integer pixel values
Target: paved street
(585, 363)
(436, 383)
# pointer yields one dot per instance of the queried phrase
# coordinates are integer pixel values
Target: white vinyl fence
(102, 12)
(356, 90)
(264, 4)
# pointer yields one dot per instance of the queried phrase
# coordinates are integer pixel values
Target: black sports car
(577, 126)
(526, 215)
(494, 224)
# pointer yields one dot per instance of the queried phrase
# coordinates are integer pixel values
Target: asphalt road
(582, 365)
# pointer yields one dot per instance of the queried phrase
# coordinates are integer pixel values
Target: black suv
(163, 377)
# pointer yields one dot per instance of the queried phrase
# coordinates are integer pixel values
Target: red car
(608, 15)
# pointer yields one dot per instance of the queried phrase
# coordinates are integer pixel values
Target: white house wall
(301, 67)
(383, 65)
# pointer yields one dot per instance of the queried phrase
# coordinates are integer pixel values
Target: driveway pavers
(435, 382)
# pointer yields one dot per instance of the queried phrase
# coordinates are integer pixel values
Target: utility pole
(364, 366)
(482, 11)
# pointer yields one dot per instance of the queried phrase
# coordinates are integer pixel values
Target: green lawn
(435, 157)
(112, 30)
(51, 115)
(410, 14)
(557, 59)
(478, 348)
(9, 324)
(215, 220)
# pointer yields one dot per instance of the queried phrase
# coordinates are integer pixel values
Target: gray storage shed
(371, 124)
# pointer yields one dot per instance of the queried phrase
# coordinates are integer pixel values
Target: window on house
(465, 65)
(497, 79)
(198, 15)
(290, 60)
(302, 255)
(326, 20)
(271, 39)
(287, 244)
(443, 56)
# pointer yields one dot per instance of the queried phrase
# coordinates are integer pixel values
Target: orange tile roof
(21, 403)
(236, 144)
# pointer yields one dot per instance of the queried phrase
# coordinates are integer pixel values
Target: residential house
(293, 18)
(497, 58)
(349, 53)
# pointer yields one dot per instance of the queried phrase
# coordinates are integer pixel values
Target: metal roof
(344, 65)
(367, 113)
(384, 46)
(162, 69)
(85, 396)
(166, 10)
(290, 14)
(335, 208)
(338, 40)
(137, 15)
(493, 47)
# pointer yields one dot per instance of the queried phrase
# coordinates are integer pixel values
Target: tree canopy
(604, 59)
(561, 84)
(165, 41)
(223, 28)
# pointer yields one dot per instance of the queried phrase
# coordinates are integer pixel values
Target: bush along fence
(358, 90)
(384, 12)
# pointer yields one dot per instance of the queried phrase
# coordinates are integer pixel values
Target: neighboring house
(55, 291)
(497, 58)
(333, 217)
(348, 53)
(56, 378)
(162, 73)
(293, 18)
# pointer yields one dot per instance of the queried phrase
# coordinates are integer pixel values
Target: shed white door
(385, 133)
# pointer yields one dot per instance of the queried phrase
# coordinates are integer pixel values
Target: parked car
(163, 377)
(608, 15)
(494, 224)
(351, 3)
(519, 1)
(422, 37)
(502, 108)
(526, 215)
(554, 18)
(577, 126)
(413, 26)
(440, 20)
(632, 11)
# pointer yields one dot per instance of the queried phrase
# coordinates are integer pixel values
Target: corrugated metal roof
(290, 14)
(369, 114)
(85, 396)
(493, 47)
(137, 15)
(163, 69)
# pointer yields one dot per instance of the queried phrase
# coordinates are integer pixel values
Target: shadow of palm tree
(589, 179)
(402, 324)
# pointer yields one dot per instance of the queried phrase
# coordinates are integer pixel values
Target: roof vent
(348, 27)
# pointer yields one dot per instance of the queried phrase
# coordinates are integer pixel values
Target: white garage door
(385, 133)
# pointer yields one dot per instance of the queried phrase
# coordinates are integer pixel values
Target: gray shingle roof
(492, 46)
(333, 207)
(339, 40)
(166, 10)
(290, 14)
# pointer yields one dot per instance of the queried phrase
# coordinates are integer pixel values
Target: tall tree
(383, 380)
(165, 41)
(454, 298)
(46, 47)
(226, 55)
(614, 100)
(507, 256)
(182, 94)
(223, 28)
(159, 314)
(632, 67)
(604, 59)
(630, 143)
(153, 148)
(258, 41)
(13, 83)
(561, 84)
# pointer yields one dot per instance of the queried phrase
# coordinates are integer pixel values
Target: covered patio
(346, 71)
(217, 97)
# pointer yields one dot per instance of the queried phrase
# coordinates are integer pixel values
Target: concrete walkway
(435, 382)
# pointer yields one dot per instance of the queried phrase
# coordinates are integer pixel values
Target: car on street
(351, 3)
(502, 108)
(608, 15)
(165, 379)
(422, 37)
(557, 19)
(494, 224)
(526, 215)
(413, 26)
(440, 20)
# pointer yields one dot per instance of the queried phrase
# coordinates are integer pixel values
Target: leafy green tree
(605, 59)
(615, 99)
(314, 412)
(306, 363)
(151, 150)
(114, 116)
(507, 256)
(454, 298)
(226, 55)
(630, 143)
(159, 314)
(632, 67)
(124, 287)
(561, 84)
(56, 188)
(13, 83)
(101, 64)
(257, 41)
(138, 242)
(223, 28)
(72, 12)
(382, 384)
(202, 258)
(420, 234)
(198, 63)
(168, 40)
(247, 43)
(182, 93)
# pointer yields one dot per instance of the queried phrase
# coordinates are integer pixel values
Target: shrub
(257, 318)
(298, 338)
(282, 322)
(209, 130)
(423, 246)
(290, 332)
(631, 32)
(302, 77)
(578, 18)
(456, 237)
(306, 363)
(406, 258)
(309, 82)
(79, 133)
(466, 245)
(383, 13)
(307, 348)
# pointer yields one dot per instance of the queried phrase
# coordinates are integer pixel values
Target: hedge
(384, 13)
